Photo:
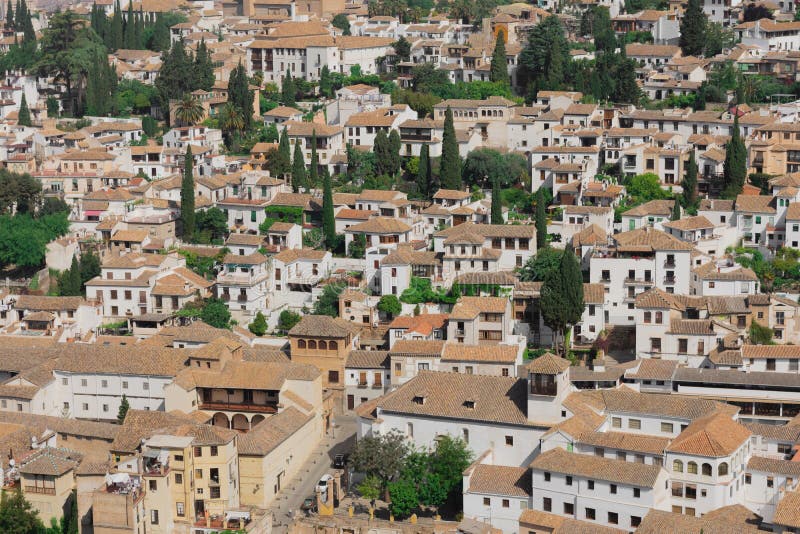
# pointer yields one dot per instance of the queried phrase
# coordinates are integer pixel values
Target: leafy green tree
(561, 298)
(287, 319)
(693, 29)
(717, 39)
(544, 60)
(425, 184)
(537, 268)
(53, 107)
(259, 325)
(231, 122)
(358, 247)
(288, 91)
(404, 496)
(215, 313)
(187, 196)
(734, 168)
(499, 65)
(381, 456)
(626, 88)
(24, 116)
(328, 216)
(605, 41)
(342, 22)
(325, 82)
(541, 220)
(69, 283)
(17, 516)
(124, 406)
(450, 167)
(189, 111)
(211, 225)
(497, 207)
(328, 301)
(759, 334)
(402, 48)
(390, 305)
(280, 162)
(380, 148)
(299, 179)
(689, 185)
(370, 488)
(645, 187)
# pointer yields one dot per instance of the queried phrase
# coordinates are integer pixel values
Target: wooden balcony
(239, 407)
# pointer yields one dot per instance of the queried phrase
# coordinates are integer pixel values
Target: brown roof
(451, 194)
(690, 223)
(660, 522)
(323, 326)
(42, 303)
(380, 225)
(271, 432)
(771, 351)
(772, 465)
(653, 207)
(548, 364)
(123, 359)
(480, 353)
(417, 347)
(556, 524)
(754, 204)
(491, 230)
(367, 359)
(471, 307)
(713, 436)
(595, 467)
(593, 293)
(625, 441)
(649, 239)
(255, 258)
(591, 235)
(500, 480)
(290, 255)
(50, 461)
(497, 399)
(709, 271)
(650, 369)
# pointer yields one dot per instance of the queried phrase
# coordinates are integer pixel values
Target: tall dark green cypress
(187, 196)
(298, 168)
(499, 65)
(138, 30)
(313, 173)
(497, 207)
(380, 148)
(693, 29)
(160, 40)
(116, 30)
(561, 298)
(424, 172)
(394, 151)
(734, 169)
(541, 220)
(676, 211)
(689, 184)
(9, 16)
(239, 93)
(281, 163)
(288, 90)
(24, 114)
(450, 168)
(328, 218)
(129, 33)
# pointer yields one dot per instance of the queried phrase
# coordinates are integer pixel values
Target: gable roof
(633, 474)
(714, 436)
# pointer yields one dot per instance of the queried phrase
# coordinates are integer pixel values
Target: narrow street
(296, 490)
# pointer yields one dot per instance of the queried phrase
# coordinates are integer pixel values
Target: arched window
(723, 469)
(301, 343)
(333, 345)
(677, 466)
(312, 344)
(706, 470)
(323, 345)
(691, 468)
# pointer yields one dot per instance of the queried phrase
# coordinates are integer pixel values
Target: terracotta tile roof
(123, 359)
(648, 239)
(451, 194)
(657, 298)
(625, 400)
(734, 513)
(735, 377)
(556, 524)
(367, 359)
(307, 129)
(50, 462)
(323, 326)
(380, 225)
(491, 230)
(713, 436)
(300, 200)
(349, 213)
(271, 432)
(43, 303)
(247, 375)
(771, 465)
(690, 223)
(660, 522)
(709, 271)
(789, 433)
(593, 293)
(625, 441)
(725, 357)
(291, 255)
(245, 239)
(548, 364)
(591, 235)
(132, 236)
(405, 255)
(424, 323)
(63, 425)
(457, 352)
(196, 332)
(471, 307)
(650, 369)
(755, 204)
(692, 327)
(500, 480)
(417, 347)
(255, 258)
(653, 207)
(716, 205)
(497, 399)
(583, 465)
(779, 352)
(718, 305)
(502, 278)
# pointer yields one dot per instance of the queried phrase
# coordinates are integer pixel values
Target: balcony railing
(669, 279)
(669, 264)
(239, 407)
(38, 489)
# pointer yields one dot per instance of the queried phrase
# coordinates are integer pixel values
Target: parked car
(322, 485)
(339, 461)
(308, 504)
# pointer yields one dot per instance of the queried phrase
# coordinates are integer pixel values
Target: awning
(236, 514)
(117, 478)
(90, 213)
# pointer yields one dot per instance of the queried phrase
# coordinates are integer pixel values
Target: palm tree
(231, 122)
(189, 111)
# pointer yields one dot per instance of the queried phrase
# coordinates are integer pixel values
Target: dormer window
(418, 399)
(470, 404)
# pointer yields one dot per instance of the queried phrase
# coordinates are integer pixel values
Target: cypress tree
(138, 30)
(204, 72)
(298, 168)
(450, 167)
(9, 16)
(424, 177)
(187, 196)
(394, 151)
(328, 218)
(734, 169)
(19, 14)
(676, 211)
(288, 90)
(124, 406)
(160, 40)
(497, 208)
(116, 31)
(693, 29)
(541, 221)
(499, 65)
(561, 298)
(281, 162)
(313, 174)
(239, 93)
(689, 184)
(129, 36)
(325, 82)
(75, 277)
(24, 115)
(381, 150)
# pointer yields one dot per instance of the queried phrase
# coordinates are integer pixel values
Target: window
(146, 386)
(590, 484)
(747, 478)
(637, 493)
(613, 518)
(683, 346)
(487, 501)
(666, 427)
(506, 503)
(635, 520)
(723, 469)
(635, 424)
(124, 384)
(659, 317)
(569, 509)
(510, 441)
(655, 344)
(465, 435)
(612, 489)
(153, 517)
(333, 377)
(706, 470)
(198, 452)
(85, 406)
(590, 514)
(569, 480)
(214, 450)
(599, 451)
(616, 422)
(153, 485)
(179, 478)
(691, 468)
(64, 382)
(546, 476)
(770, 482)
(83, 382)
(648, 317)
(104, 383)
(547, 504)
